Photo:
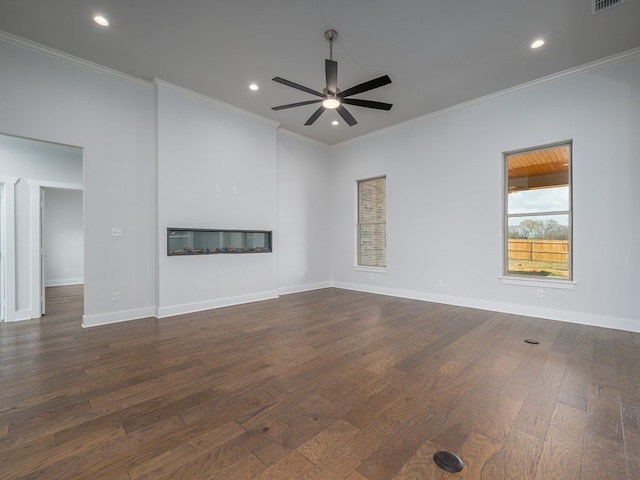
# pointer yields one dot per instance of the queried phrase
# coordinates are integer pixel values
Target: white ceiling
(438, 53)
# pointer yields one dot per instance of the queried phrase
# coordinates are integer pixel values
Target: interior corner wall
(203, 147)
(55, 98)
(445, 203)
(303, 214)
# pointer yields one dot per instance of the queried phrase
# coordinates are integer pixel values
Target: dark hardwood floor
(66, 302)
(330, 384)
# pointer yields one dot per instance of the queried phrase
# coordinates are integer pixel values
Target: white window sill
(360, 268)
(538, 282)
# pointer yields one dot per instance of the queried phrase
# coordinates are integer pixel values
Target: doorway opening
(62, 248)
(31, 171)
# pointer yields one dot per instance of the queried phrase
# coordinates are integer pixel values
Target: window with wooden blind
(372, 222)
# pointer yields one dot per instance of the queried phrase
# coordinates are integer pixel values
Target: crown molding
(37, 47)
(185, 91)
(52, 52)
(549, 78)
(289, 133)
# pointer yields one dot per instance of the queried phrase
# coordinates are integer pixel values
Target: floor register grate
(448, 461)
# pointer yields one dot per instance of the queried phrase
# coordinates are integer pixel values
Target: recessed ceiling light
(335, 122)
(538, 43)
(100, 20)
(253, 87)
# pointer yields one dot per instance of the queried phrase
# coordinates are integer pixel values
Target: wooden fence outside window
(538, 249)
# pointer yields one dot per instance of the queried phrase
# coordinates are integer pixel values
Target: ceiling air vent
(600, 5)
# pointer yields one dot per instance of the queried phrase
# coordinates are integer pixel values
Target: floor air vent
(600, 5)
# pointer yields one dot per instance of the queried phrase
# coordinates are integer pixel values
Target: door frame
(8, 248)
(37, 278)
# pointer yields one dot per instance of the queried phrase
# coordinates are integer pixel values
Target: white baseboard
(173, 310)
(625, 324)
(307, 287)
(616, 323)
(20, 315)
(64, 281)
(116, 317)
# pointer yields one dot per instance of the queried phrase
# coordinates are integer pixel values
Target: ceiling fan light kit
(331, 102)
(331, 98)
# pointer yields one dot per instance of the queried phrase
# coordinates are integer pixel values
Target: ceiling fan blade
(367, 103)
(366, 86)
(297, 86)
(315, 116)
(299, 104)
(347, 117)
(331, 72)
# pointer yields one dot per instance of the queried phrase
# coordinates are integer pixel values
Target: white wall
(201, 144)
(444, 200)
(303, 214)
(63, 237)
(53, 98)
(29, 161)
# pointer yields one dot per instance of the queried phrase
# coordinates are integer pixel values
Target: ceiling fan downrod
(330, 35)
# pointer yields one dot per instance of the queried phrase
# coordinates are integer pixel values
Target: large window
(372, 222)
(538, 212)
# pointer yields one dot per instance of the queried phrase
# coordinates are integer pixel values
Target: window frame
(536, 280)
(357, 264)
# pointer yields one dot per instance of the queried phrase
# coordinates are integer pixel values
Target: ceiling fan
(332, 97)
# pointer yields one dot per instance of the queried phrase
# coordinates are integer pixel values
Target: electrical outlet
(116, 232)
(115, 297)
(540, 293)
(301, 275)
(440, 283)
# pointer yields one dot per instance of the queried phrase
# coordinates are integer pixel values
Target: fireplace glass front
(189, 241)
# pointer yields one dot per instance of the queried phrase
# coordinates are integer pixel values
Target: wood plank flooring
(330, 384)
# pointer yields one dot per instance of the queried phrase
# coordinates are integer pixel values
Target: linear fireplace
(196, 241)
